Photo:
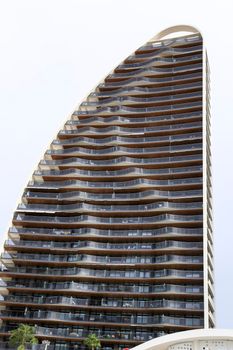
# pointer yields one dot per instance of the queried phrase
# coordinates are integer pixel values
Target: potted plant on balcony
(92, 342)
(22, 336)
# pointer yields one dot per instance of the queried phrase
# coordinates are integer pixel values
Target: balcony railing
(125, 110)
(128, 140)
(88, 219)
(147, 81)
(141, 182)
(133, 131)
(124, 150)
(153, 71)
(97, 245)
(117, 173)
(107, 302)
(139, 100)
(163, 259)
(76, 332)
(167, 231)
(134, 90)
(164, 60)
(84, 207)
(122, 160)
(147, 320)
(128, 274)
(175, 50)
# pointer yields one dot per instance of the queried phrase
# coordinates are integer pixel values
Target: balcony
(115, 140)
(153, 71)
(133, 90)
(124, 161)
(78, 151)
(81, 318)
(72, 246)
(85, 259)
(89, 208)
(121, 130)
(127, 172)
(105, 303)
(132, 235)
(154, 110)
(161, 60)
(89, 220)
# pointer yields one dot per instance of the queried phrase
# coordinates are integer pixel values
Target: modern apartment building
(113, 234)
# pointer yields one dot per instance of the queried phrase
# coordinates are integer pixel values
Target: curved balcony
(71, 247)
(120, 130)
(131, 184)
(154, 71)
(159, 60)
(105, 318)
(168, 51)
(112, 289)
(84, 207)
(115, 140)
(76, 273)
(118, 173)
(102, 221)
(125, 335)
(113, 260)
(169, 48)
(143, 121)
(114, 197)
(105, 303)
(150, 81)
(136, 90)
(156, 45)
(110, 234)
(123, 161)
(122, 110)
(126, 151)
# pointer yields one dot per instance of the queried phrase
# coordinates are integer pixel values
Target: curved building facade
(113, 235)
(203, 339)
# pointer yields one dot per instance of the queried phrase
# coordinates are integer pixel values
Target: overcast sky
(52, 53)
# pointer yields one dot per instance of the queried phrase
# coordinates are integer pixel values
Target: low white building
(201, 339)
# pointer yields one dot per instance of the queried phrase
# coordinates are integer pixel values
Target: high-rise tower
(113, 235)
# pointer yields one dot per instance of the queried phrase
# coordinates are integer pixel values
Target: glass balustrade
(114, 260)
(138, 334)
(132, 130)
(128, 274)
(148, 320)
(122, 161)
(133, 99)
(88, 244)
(132, 110)
(105, 302)
(128, 140)
(108, 220)
(122, 172)
(164, 60)
(145, 80)
(114, 196)
(154, 70)
(132, 90)
(116, 149)
(168, 50)
(167, 231)
(120, 184)
(158, 206)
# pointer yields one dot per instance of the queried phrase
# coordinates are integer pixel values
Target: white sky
(52, 53)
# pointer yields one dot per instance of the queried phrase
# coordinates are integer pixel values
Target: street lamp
(46, 343)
